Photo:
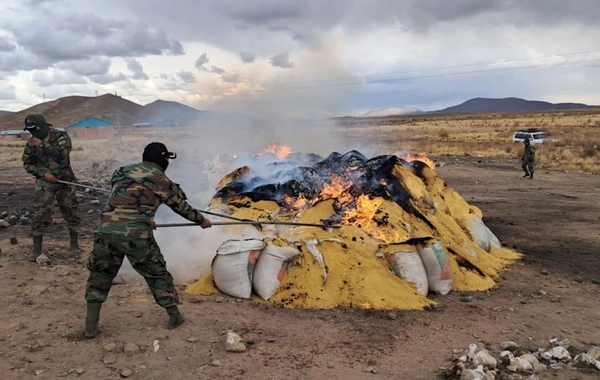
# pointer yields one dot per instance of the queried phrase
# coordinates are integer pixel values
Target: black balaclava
(159, 154)
(36, 125)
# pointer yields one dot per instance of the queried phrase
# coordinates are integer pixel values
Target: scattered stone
(484, 359)
(587, 359)
(544, 272)
(118, 280)
(594, 352)
(131, 348)
(12, 219)
(251, 338)
(520, 365)
(95, 202)
(509, 346)
(109, 359)
(126, 372)
(234, 342)
(193, 340)
(4, 223)
(63, 271)
(138, 314)
(14, 240)
(219, 299)
(105, 372)
(542, 292)
(36, 290)
(43, 260)
(90, 212)
(79, 371)
(110, 347)
(215, 363)
(370, 369)
(391, 316)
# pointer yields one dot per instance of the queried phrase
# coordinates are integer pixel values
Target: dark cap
(158, 149)
(35, 121)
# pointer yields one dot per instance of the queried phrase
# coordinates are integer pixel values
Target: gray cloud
(186, 76)
(247, 57)
(56, 77)
(73, 36)
(201, 61)
(231, 78)
(136, 69)
(107, 78)
(7, 92)
(6, 46)
(217, 70)
(281, 60)
(85, 67)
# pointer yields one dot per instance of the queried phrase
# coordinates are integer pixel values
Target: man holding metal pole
(126, 229)
(47, 157)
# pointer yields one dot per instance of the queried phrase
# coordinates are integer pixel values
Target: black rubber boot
(531, 176)
(74, 247)
(91, 320)
(37, 248)
(175, 317)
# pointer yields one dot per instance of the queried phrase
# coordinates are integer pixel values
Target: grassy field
(577, 135)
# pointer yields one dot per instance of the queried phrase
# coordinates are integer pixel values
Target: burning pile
(404, 234)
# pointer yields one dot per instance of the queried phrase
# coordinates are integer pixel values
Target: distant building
(91, 128)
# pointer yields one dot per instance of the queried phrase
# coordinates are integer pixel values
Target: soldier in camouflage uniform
(125, 229)
(528, 159)
(47, 158)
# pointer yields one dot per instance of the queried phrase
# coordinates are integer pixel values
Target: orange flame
(422, 157)
(299, 203)
(337, 188)
(281, 151)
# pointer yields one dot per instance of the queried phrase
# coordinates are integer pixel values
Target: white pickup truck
(535, 137)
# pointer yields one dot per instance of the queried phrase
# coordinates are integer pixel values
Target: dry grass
(490, 135)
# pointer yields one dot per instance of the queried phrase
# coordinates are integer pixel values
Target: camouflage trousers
(44, 196)
(528, 167)
(106, 259)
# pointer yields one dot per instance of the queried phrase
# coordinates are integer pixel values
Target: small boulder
(234, 342)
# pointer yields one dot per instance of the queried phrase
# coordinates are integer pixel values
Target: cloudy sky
(300, 57)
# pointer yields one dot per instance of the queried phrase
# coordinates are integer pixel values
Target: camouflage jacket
(136, 192)
(53, 156)
(529, 154)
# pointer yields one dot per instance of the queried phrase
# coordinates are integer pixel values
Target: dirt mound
(403, 233)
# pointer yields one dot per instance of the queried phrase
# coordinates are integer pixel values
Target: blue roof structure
(91, 122)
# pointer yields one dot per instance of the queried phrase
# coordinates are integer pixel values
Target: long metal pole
(251, 223)
(245, 221)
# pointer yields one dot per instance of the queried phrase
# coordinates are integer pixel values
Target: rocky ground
(551, 293)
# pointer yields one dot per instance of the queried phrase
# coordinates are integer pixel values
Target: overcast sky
(311, 57)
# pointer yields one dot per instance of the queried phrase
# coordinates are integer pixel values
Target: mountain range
(120, 111)
(480, 105)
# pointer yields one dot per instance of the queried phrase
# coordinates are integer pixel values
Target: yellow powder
(354, 275)
(205, 286)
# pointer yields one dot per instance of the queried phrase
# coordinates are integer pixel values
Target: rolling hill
(65, 111)
(510, 105)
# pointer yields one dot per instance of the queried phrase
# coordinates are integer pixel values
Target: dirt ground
(552, 292)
